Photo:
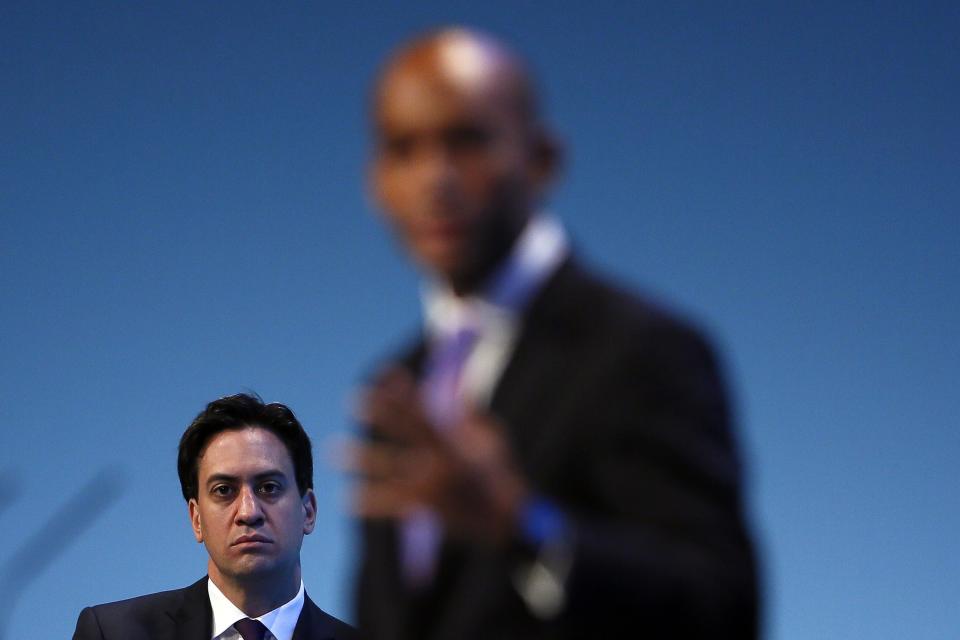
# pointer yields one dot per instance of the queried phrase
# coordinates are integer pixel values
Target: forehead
(425, 96)
(245, 451)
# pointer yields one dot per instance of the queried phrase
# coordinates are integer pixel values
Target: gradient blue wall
(183, 217)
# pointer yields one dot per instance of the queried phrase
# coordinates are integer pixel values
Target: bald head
(463, 61)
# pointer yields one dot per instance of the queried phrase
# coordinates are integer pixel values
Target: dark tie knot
(250, 629)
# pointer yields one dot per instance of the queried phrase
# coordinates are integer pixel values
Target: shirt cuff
(541, 582)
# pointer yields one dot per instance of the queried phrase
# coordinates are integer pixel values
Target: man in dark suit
(246, 472)
(553, 458)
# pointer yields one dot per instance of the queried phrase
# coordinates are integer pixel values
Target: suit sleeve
(88, 628)
(657, 532)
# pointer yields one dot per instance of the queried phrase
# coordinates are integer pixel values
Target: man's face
(453, 169)
(248, 511)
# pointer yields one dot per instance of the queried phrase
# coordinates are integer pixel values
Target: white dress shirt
(281, 621)
(497, 310)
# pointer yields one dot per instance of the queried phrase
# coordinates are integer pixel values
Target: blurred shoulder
(133, 617)
(584, 301)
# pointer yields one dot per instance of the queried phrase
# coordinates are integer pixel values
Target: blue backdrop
(183, 217)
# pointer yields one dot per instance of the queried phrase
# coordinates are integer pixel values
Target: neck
(258, 594)
(466, 285)
(494, 251)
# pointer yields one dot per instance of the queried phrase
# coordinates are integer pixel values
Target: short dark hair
(237, 412)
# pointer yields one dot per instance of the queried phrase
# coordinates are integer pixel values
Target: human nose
(437, 170)
(249, 511)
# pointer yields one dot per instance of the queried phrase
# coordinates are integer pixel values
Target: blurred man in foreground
(553, 457)
(246, 472)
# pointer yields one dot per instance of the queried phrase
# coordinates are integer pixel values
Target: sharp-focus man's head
(461, 157)
(236, 412)
(246, 471)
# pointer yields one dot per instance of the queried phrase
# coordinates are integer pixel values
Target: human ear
(309, 502)
(374, 184)
(194, 511)
(545, 161)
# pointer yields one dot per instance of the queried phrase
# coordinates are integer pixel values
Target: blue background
(183, 217)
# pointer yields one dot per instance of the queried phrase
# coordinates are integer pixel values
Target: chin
(254, 566)
(443, 258)
(446, 267)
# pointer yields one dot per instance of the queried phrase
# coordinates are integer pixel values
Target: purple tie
(250, 629)
(442, 396)
(441, 385)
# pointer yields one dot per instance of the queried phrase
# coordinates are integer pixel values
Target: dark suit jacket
(185, 614)
(617, 412)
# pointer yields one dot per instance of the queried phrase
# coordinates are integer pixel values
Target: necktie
(441, 386)
(444, 403)
(250, 629)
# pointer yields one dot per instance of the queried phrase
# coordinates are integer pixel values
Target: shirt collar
(281, 621)
(538, 251)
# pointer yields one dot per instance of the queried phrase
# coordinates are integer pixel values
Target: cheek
(391, 189)
(400, 211)
(293, 519)
(484, 178)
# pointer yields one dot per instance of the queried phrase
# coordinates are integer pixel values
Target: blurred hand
(466, 473)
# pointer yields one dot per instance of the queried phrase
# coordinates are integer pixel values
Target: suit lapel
(193, 619)
(538, 378)
(312, 623)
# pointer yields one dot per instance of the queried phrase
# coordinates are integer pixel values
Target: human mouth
(445, 231)
(250, 540)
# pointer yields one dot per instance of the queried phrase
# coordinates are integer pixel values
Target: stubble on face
(250, 515)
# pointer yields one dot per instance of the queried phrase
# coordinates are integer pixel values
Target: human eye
(397, 147)
(468, 138)
(221, 490)
(271, 488)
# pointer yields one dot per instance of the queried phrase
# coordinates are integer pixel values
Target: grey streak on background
(64, 526)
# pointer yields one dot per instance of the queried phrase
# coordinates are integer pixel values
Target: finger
(382, 500)
(477, 418)
(373, 461)
(384, 461)
(395, 382)
(479, 435)
(391, 416)
(391, 382)
(397, 412)
(412, 467)
(398, 380)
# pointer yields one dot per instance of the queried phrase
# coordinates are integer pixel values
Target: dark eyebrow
(263, 475)
(221, 477)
